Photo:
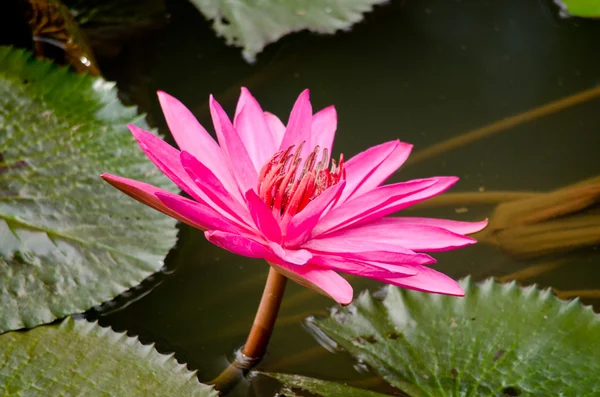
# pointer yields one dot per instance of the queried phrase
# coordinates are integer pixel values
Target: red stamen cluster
(285, 191)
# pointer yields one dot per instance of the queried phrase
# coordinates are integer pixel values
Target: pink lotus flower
(267, 190)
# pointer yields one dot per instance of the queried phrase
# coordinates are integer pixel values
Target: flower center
(287, 189)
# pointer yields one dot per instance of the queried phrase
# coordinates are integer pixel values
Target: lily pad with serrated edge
(79, 358)
(254, 24)
(68, 240)
(498, 340)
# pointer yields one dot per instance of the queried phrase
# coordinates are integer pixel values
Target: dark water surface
(421, 71)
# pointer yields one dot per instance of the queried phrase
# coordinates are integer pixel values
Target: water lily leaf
(68, 241)
(79, 358)
(499, 340)
(254, 24)
(321, 387)
(580, 8)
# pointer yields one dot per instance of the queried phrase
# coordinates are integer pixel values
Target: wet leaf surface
(79, 358)
(499, 340)
(68, 240)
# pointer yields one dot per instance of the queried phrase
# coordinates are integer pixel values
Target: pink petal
(201, 217)
(193, 138)
(367, 249)
(238, 244)
(427, 280)
(194, 214)
(323, 281)
(299, 125)
(371, 168)
(250, 123)
(382, 197)
(410, 236)
(166, 159)
(303, 223)
(292, 256)
(453, 226)
(237, 155)
(263, 217)
(214, 191)
(324, 124)
(374, 205)
(362, 268)
(276, 127)
(141, 192)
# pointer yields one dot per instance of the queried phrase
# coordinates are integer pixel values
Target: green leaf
(498, 340)
(253, 24)
(79, 358)
(322, 387)
(68, 240)
(580, 8)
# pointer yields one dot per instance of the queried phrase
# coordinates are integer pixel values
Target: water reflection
(421, 71)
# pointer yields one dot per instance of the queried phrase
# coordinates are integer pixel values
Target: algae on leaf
(500, 339)
(79, 358)
(253, 24)
(69, 241)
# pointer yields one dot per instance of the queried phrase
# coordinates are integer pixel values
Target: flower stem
(256, 344)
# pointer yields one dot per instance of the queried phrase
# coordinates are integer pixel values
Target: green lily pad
(580, 8)
(253, 24)
(321, 387)
(499, 340)
(68, 240)
(79, 358)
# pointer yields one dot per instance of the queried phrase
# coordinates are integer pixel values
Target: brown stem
(260, 333)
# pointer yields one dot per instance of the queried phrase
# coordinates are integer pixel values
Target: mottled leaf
(68, 240)
(79, 358)
(253, 24)
(499, 340)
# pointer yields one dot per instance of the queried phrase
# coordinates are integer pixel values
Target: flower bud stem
(260, 333)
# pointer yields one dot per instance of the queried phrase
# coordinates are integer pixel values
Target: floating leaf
(322, 387)
(79, 358)
(68, 241)
(580, 8)
(499, 340)
(254, 24)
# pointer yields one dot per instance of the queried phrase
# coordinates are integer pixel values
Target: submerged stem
(505, 124)
(260, 333)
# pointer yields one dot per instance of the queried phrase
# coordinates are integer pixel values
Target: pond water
(421, 71)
